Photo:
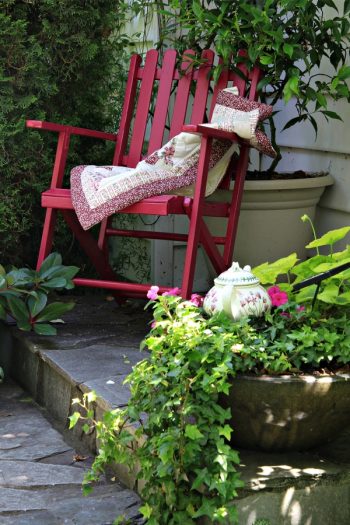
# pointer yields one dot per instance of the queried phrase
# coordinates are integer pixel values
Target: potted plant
(303, 51)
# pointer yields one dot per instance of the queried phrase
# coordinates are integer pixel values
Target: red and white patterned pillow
(230, 104)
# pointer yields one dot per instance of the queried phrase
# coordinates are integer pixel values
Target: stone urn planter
(282, 413)
(269, 222)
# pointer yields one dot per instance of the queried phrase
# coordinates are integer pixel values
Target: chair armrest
(208, 131)
(71, 130)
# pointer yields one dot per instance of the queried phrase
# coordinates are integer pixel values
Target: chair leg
(89, 245)
(196, 215)
(47, 235)
(235, 208)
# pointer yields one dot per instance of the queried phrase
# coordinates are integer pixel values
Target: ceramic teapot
(238, 293)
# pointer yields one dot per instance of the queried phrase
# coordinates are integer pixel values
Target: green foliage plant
(291, 39)
(309, 330)
(60, 61)
(24, 294)
(174, 413)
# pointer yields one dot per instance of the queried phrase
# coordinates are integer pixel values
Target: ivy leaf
(146, 510)
(192, 432)
(73, 419)
(225, 431)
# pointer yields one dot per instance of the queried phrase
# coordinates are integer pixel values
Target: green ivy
(174, 412)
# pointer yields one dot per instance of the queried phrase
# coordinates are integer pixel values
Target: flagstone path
(41, 475)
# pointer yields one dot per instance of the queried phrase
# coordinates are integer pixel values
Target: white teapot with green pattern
(238, 293)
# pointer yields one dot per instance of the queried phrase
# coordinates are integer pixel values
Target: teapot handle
(227, 296)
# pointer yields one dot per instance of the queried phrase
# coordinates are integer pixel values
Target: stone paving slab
(29, 437)
(27, 474)
(94, 362)
(40, 475)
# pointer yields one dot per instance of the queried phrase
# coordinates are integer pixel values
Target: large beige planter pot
(269, 224)
(283, 413)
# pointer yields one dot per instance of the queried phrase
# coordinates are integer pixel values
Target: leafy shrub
(24, 294)
(61, 61)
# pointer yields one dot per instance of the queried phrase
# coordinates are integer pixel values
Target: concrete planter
(282, 413)
(269, 224)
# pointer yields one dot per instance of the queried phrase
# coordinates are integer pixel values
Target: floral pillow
(238, 114)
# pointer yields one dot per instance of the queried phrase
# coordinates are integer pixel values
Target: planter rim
(289, 184)
(326, 378)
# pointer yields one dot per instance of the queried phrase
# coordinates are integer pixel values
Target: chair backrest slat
(182, 94)
(163, 97)
(171, 87)
(126, 116)
(202, 87)
(144, 100)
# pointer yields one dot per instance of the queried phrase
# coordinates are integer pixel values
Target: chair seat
(60, 198)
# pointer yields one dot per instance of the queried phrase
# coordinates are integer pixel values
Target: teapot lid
(237, 276)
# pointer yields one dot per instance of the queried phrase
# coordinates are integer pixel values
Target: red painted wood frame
(177, 88)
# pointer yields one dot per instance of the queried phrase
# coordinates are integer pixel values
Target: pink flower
(153, 293)
(272, 290)
(279, 298)
(173, 291)
(300, 308)
(197, 299)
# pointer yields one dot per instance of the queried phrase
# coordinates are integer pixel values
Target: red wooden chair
(128, 151)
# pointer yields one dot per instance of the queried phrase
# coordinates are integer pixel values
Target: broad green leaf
(329, 238)
(265, 60)
(54, 259)
(268, 273)
(288, 49)
(56, 282)
(344, 72)
(54, 311)
(324, 267)
(192, 432)
(37, 304)
(18, 309)
(329, 294)
(24, 325)
(2, 270)
(68, 272)
(2, 282)
(44, 329)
